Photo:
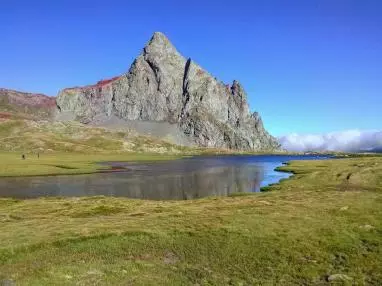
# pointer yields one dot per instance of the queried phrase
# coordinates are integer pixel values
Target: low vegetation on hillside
(25, 105)
(321, 227)
(43, 137)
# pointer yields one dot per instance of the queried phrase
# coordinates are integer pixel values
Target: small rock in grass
(367, 227)
(339, 277)
(345, 208)
(170, 258)
(94, 272)
(7, 282)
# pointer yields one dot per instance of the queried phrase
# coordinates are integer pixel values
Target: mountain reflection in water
(181, 179)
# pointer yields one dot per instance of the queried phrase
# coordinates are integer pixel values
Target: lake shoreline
(182, 178)
(55, 161)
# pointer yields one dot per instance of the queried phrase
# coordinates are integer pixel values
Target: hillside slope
(26, 105)
(31, 136)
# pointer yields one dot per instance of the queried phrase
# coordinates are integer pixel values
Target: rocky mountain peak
(158, 38)
(160, 46)
(163, 86)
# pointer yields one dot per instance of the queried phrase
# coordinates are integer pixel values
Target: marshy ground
(323, 226)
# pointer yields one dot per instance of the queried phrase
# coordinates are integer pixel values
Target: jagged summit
(160, 39)
(162, 86)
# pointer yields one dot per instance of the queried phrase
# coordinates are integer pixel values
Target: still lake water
(181, 179)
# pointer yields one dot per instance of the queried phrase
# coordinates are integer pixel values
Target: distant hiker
(38, 155)
(23, 157)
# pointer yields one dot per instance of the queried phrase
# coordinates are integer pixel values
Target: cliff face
(163, 86)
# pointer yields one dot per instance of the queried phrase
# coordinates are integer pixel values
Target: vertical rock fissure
(185, 94)
(155, 71)
(186, 70)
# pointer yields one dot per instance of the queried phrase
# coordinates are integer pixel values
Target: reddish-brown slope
(101, 83)
(32, 104)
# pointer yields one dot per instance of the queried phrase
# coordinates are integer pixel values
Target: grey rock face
(163, 86)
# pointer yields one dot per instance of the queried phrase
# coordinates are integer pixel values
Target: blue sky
(307, 66)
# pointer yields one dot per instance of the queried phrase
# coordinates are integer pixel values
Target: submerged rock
(164, 86)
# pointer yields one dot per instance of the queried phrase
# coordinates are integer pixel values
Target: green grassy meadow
(11, 164)
(321, 227)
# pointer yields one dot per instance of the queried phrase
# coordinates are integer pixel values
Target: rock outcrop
(163, 86)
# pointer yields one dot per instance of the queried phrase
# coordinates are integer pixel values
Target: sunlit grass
(319, 223)
(12, 164)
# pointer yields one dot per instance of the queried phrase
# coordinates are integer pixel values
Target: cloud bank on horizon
(346, 141)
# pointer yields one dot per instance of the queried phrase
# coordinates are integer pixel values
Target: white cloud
(348, 141)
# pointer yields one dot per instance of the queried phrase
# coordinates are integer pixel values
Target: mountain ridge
(33, 105)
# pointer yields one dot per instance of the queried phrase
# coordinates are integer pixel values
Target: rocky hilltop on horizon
(162, 86)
